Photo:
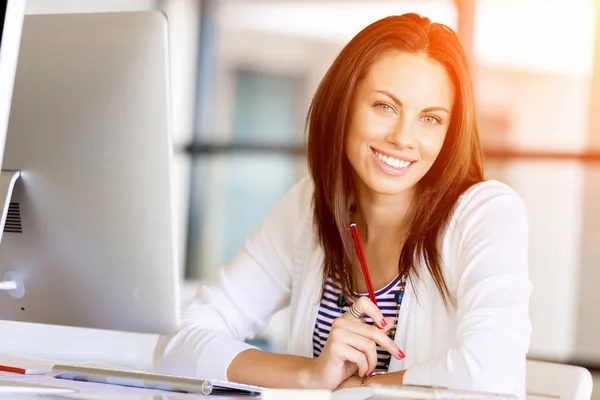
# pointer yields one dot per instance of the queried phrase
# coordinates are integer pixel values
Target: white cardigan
(481, 344)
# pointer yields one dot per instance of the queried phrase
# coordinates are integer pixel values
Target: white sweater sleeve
(237, 304)
(490, 246)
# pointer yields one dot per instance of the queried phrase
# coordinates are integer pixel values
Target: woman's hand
(352, 382)
(389, 378)
(351, 348)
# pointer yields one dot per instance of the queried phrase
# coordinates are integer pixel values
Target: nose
(401, 134)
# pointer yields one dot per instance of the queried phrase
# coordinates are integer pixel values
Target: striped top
(329, 310)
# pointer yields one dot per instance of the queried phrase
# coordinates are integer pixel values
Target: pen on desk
(363, 263)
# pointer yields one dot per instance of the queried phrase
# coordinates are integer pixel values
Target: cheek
(431, 145)
(368, 126)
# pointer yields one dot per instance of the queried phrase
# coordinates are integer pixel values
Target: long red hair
(458, 166)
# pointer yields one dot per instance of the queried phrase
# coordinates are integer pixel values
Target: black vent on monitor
(13, 219)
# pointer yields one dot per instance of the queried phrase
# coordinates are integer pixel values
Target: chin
(390, 186)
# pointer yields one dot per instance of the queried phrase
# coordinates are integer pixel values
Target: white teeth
(392, 162)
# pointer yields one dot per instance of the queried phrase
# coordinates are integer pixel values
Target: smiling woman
(410, 100)
(393, 150)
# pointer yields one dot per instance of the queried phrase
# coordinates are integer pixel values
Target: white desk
(98, 391)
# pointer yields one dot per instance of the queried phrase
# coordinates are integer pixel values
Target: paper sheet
(21, 386)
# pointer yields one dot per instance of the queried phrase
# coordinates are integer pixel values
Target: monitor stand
(9, 281)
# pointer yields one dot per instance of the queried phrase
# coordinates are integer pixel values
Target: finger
(365, 346)
(372, 333)
(390, 323)
(358, 342)
(365, 306)
(352, 355)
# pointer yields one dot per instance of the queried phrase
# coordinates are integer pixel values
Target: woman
(393, 147)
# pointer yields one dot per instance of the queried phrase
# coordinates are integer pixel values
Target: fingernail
(383, 323)
(370, 373)
(401, 355)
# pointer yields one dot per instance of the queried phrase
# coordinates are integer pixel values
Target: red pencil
(363, 263)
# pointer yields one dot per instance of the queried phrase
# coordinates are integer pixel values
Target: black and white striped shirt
(329, 310)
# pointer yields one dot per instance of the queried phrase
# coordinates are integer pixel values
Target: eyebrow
(398, 102)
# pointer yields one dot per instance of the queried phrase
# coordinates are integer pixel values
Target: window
(243, 183)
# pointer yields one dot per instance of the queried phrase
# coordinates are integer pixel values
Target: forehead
(416, 79)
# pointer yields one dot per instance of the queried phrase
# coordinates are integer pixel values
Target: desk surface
(99, 391)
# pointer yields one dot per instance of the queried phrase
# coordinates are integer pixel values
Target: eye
(385, 107)
(431, 120)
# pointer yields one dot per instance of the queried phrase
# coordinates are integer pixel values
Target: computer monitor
(89, 239)
(11, 22)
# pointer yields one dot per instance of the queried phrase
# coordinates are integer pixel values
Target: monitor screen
(11, 23)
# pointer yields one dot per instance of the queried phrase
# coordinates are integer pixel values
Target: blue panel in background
(266, 111)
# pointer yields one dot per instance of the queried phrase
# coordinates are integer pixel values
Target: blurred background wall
(243, 74)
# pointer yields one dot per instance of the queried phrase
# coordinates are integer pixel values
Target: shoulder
(281, 233)
(291, 216)
(490, 201)
(305, 189)
(298, 200)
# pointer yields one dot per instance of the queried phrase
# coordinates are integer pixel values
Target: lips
(398, 163)
(393, 156)
(391, 166)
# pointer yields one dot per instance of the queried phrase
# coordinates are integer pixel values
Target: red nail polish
(371, 373)
(401, 354)
(383, 323)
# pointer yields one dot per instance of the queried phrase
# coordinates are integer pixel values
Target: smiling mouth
(391, 161)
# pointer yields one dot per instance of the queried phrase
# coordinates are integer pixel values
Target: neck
(382, 218)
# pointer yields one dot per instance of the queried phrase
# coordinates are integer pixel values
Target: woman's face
(400, 114)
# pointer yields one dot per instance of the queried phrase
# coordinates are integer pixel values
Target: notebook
(149, 380)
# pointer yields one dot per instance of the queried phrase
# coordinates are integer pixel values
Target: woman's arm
(270, 369)
(237, 304)
(490, 243)
(350, 348)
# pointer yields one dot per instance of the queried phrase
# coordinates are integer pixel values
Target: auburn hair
(458, 166)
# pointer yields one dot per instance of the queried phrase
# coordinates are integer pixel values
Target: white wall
(587, 343)
(555, 251)
(128, 349)
(546, 112)
(588, 338)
